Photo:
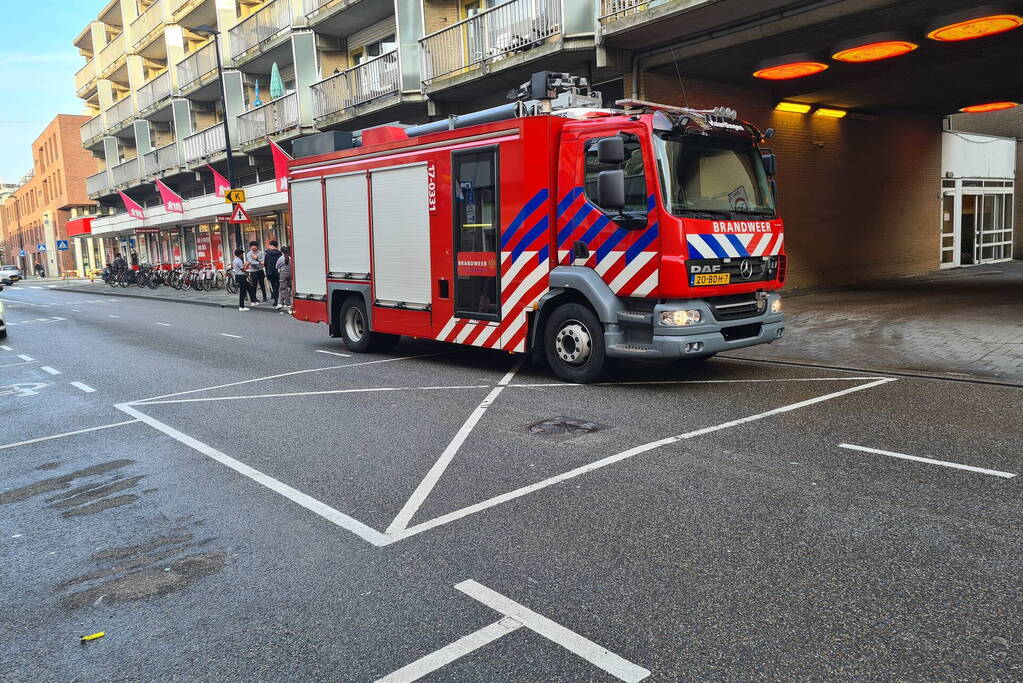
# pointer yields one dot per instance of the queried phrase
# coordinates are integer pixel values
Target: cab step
(632, 349)
(635, 318)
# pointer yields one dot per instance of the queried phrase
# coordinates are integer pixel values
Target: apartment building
(859, 144)
(34, 215)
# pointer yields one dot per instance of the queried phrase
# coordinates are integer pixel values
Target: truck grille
(732, 266)
(741, 332)
(736, 307)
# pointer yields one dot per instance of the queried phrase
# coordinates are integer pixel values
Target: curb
(192, 302)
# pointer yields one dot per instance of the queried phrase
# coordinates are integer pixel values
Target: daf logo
(704, 269)
(745, 269)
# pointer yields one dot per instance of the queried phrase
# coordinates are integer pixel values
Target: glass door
(968, 231)
(948, 229)
(477, 228)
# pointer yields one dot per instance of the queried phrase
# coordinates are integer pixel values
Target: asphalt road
(268, 511)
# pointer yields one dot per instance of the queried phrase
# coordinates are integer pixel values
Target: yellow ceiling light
(794, 107)
(789, 67)
(873, 48)
(829, 113)
(988, 106)
(976, 23)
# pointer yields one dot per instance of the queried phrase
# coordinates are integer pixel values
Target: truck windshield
(707, 175)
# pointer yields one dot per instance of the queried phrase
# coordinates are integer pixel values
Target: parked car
(3, 325)
(12, 273)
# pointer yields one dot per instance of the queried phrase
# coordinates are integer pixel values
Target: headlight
(776, 306)
(681, 318)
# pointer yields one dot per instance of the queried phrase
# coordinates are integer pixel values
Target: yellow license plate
(712, 279)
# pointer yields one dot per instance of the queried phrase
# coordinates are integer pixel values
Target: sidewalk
(218, 297)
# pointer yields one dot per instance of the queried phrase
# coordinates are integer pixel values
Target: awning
(79, 226)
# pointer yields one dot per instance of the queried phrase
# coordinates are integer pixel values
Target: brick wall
(859, 198)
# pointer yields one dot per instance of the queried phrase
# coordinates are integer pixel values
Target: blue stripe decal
(570, 227)
(713, 244)
(694, 247)
(737, 243)
(650, 203)
(641, 244)
(542, 254)
(529, 238)
(597, 226)
(568, 199)
(531, 206)
(610, 243)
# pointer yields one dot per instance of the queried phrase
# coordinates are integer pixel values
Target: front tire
(355, 329)
(573, 343)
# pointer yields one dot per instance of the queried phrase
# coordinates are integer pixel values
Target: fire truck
(551, 226)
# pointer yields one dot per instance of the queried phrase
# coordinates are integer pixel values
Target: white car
(10, 274)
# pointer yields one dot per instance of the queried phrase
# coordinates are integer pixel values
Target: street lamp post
(206, 29)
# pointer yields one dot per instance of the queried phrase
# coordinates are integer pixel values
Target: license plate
(711, 279)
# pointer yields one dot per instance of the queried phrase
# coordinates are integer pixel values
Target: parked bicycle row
(194, 275)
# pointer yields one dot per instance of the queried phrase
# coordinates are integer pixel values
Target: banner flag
(172, 201)
(134, 208)
(281, 159)
(220, 183)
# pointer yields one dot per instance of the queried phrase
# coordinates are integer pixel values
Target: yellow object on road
(94, 636)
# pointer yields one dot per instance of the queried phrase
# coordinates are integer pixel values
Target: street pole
(227, 133)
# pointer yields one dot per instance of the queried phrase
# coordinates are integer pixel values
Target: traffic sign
(40, 247)
(62, 245)
(234, 196)
(21, 253)
(238, 215)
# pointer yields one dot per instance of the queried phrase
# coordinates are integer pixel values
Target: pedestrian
(118, 263)
(40, 271)
(284, 272)
(270, 260)
(256, 269)
(242, 278)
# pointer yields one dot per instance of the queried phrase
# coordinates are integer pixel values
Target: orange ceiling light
(976, 23)
(789, 67)
(988, 106)
(873, 48)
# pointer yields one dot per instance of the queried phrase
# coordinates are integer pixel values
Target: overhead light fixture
(975, 23)
(794, 107)
(873, 48)
(789, 67)
(829, 113)
(988, 106)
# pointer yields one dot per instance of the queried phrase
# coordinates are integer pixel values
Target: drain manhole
(563, 427)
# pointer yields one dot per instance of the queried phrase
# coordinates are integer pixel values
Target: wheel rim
(573, 343)
(355, 326)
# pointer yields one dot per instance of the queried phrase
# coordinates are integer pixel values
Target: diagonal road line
(61, 436)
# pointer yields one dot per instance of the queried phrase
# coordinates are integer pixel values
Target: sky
(37, 69)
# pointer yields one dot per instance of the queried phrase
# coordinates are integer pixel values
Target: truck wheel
(574, 344)
(355, 330)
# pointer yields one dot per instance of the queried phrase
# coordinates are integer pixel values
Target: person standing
(242, 278)
(254, 265)
(270, 260)
(284, 274)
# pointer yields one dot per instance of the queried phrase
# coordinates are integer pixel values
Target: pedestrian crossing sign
(62, 245)
(40, 247)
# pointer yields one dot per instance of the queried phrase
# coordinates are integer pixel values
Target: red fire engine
(551, 226)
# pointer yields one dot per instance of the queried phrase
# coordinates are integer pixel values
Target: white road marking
(111, 315)
(618, 457)
(232, 336)
(6, 348)
(26, 358)
(691, 381)
(334, 353)
(598, 656)
(47, 368)
(61, 436)
(75, 310)
(84, 387)
(305, 393)
(930, 461)
(449, 653)
(34, 287)
(418, 496)
(308, 502)
(164, 324)
(11, 365)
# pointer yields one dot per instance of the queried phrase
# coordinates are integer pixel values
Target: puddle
(61, 482)
(150, 582)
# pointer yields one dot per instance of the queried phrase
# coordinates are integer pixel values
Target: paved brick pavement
(219, 297)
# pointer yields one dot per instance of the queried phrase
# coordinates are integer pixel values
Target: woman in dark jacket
(284, 271)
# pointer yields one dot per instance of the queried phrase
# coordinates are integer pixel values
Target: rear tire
(573, 343)
(355, 329)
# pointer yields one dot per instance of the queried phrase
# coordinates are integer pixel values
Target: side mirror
(770, 163)
(611, 190)
(611, 151)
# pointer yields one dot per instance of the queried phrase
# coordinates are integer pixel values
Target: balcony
(193, 69)
(120, 112)
(611, 10)
(155, 91)
(363, 83)
(160, 159)
(85, 79)
(97, 183)
(112, 56)
(272, 20)
(489, 36)
(146, 24)
(92, 129)
(126, 173)
(203, 144)
(276, 116)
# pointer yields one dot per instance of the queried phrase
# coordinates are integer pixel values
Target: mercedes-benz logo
(746, 269)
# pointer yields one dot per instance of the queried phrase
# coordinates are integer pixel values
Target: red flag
(172, 201)
(281, 159)
(133, 207)
(220, 183)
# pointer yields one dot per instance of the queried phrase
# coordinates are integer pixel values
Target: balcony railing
(268, 22)
(197, 65)
(310, 7)
(97, 182)
(205, 143)
(85, 77)
(155, 90)
(273, 117)
(126, 173)
(160, 159)
(515, 26)
(146, 22)
(112, 53)
(616, 9)
(92, 128)
(119, 112)
(362, 83)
